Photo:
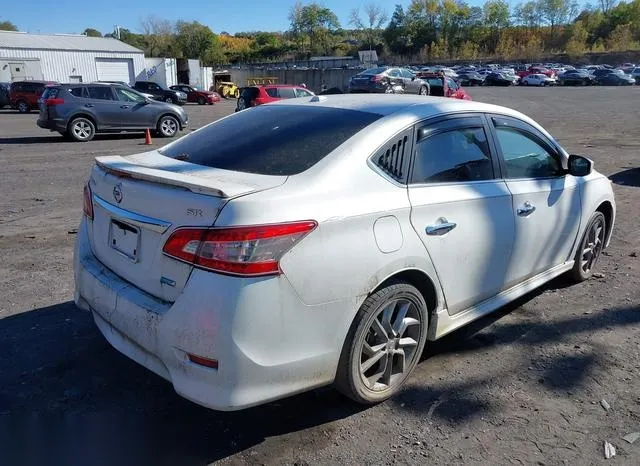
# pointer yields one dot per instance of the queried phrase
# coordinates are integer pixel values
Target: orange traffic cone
(147, 137)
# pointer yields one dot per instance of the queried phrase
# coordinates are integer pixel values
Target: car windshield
(374, 71)
(272, 139)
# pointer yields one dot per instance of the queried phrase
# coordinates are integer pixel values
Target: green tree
(159, 37)
(8, 26)
(577, 44)
(395, 35)
(315, 23)
(195, 40)
(90, 32)
(557, 12)
(496, 18)
(370, 27)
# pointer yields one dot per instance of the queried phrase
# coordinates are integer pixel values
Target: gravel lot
(521, 386)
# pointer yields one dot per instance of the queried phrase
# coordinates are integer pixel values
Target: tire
(23, 107)
(423, 90)
(525, 83)
(378, 317)
(201, 100)
(592, 241)
(241, 105)
(81, 129)
(168, 126)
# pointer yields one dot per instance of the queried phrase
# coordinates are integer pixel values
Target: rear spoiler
(118, 166)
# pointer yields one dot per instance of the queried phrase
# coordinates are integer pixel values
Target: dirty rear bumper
(265, 339)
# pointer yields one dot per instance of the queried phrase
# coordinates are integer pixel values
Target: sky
(72, 16)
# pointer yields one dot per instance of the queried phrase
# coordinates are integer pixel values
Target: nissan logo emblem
(117, 192)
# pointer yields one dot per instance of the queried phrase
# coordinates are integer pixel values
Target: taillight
(52, 102)
(247, 250)
(377, 78)
(87, 205)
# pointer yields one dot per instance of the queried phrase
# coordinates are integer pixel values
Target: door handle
(124, 106)
(526, 210)
(89, 105)
(441, 228)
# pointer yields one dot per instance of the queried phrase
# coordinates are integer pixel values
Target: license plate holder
(125, 239)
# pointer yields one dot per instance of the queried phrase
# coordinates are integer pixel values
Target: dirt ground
(522, 386)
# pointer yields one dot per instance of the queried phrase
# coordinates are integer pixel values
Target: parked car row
(24, 95)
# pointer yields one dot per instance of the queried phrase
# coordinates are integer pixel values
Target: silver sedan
(325, 240)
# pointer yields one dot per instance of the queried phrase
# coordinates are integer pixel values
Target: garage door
(114, 69)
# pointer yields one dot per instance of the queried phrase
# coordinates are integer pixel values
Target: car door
(395, 76)
(546, 200)
(454, 90)
(135, 111)
(103, 104)
(461, 209)
(411, 85)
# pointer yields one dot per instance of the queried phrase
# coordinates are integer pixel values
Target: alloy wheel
(23, 107)
(82, 130)
(592, 246)
(390, 345)
(168, 127)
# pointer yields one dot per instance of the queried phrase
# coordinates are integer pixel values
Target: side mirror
(579, 165)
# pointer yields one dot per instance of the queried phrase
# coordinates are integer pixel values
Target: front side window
(458, 155)
(525, 155)
(406, 73)
(100, 93)
(127, 95)
(452, 84)
(303, 93)
(153, 87)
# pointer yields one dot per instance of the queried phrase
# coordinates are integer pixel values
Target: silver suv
(79, 111)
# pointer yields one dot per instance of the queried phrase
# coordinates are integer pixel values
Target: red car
(441, 85)
(536, 70)
(196, 96)
(257, 95)
(24, 95)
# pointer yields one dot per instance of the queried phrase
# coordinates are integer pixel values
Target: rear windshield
(271, 139)
(50, 93)
(374, 71)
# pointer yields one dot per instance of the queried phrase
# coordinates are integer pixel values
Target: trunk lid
(138, 201)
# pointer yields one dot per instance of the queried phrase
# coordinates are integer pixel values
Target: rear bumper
(268, 343)
(52, 125)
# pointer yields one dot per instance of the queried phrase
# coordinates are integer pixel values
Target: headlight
(182, 95)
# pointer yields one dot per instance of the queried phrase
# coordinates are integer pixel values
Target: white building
(68, 58)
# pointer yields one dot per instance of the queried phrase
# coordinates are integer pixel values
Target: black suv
(160, 93)
(79, 111)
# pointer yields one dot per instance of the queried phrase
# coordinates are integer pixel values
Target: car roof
(387, 104)
(34, 81)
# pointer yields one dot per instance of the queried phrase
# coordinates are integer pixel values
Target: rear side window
(272, 91)
(458, 155)
(286, 93)
(77, 91)
(271, 139)
(100, 93)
